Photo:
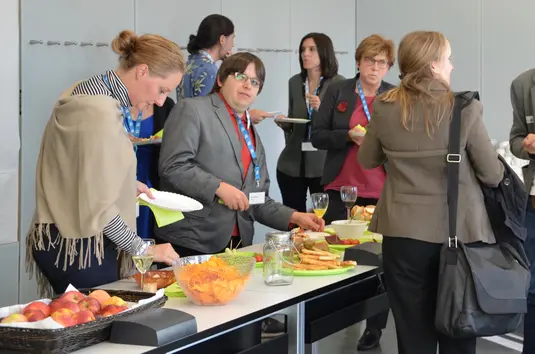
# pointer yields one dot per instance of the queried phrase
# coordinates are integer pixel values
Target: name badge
(307, 146)
(257, 198)
(529, 119)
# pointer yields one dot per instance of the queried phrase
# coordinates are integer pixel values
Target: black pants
(93, 276)
(294, 190)
(411, 275)
(338, 211)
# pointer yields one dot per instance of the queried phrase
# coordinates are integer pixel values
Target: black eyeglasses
(243, 77)
(382, 63)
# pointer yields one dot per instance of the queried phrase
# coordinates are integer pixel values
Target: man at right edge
(522, 144)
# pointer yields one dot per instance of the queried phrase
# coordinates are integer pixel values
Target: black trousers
(294, 190)
(338, 211)
(411, 276)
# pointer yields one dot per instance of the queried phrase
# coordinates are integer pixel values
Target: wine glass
(143, 258)
(349, 197)
(320, 203)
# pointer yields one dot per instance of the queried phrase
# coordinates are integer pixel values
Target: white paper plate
(316, 235)
(172, 201)
(148, 142)
(292, 120)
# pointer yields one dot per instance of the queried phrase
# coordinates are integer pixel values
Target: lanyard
(307, 91)
(249, 144)
(207, 55)
(128, 121)
(309, 107)
(363, 100)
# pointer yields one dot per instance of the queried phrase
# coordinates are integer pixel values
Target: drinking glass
(349, 197)
(320, 203)
(143, 258)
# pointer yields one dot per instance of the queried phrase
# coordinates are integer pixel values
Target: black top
(160, 116)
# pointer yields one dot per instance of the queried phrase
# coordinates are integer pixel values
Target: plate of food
(318, 260)
(153, 139)
(340, 244)
(155, 279)
(313, 235)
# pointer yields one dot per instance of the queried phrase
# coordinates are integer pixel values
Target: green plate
(368, 237)
(304, 273)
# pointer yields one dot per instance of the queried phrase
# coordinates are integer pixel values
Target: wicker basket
(66, 340)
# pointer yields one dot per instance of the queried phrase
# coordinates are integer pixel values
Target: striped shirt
(117, 230)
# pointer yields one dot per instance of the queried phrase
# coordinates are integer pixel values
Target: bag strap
(453, 159)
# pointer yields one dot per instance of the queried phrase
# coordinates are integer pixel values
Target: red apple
(56, 305)
(114, 300)
(111, 310)
(83, 317)
(38, 305)
(64, 317)
(34, 315)
(72, 296)
(70, 306)
(101, 295)
(16, 317)
(91, 304)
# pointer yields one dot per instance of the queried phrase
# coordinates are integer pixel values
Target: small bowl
(349, 228)
(216, 284)
(162, 278)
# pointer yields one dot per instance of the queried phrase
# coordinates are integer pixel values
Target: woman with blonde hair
(86, 171)
(409, 128)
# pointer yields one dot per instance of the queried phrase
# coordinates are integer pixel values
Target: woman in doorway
(300, 166)
(213, 42)
(86, 170)
(152, 121)
(347, 105)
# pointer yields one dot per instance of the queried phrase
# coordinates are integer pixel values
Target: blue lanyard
(363, 100)
(249, 144)
(309, 107)
(128, 121)
(307, 91)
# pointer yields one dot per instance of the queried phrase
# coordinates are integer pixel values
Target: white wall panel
(459, 20)
(49, 69)
(508, 50)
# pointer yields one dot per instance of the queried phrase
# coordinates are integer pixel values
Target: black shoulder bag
(482, 288)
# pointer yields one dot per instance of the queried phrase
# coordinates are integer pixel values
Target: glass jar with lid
(278, 256)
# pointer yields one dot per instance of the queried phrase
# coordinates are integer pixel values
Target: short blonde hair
(375, 45)
(160, 54)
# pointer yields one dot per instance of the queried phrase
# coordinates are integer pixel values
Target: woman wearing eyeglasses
(347, 106)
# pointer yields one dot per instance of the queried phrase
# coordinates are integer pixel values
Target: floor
(344, 342)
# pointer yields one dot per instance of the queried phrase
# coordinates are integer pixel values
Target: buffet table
(315, 306)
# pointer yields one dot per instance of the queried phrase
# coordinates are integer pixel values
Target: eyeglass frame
(246, 77)
(381, 64)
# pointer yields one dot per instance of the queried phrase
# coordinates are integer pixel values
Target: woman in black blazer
(153, 120)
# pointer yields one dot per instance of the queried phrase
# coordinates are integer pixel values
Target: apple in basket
(34, 315)
(114, 300)
(39, 306)
(16, 317)
(72, 296)
(64, 317)
(101, 295)
(111, 310)
(83, 317)
(91, 304)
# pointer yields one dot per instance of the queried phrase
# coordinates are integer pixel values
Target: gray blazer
(523, 102)
(290, 158)
(201, 149)
(413, 202)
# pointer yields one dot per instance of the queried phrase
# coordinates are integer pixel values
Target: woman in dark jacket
(153, 120)
(300, 167)
(347, 105)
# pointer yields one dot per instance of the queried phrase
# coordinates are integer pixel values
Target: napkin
(174, 290)
(163, 217)
(159, 134)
